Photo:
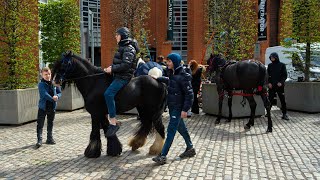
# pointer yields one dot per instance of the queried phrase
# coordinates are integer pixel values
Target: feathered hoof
(93, 150)
(229, 120)
(217, 121)
(114, 146)
(137, 142)
(269, 130)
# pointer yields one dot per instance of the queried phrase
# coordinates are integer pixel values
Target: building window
(180, 28)
(94, 6)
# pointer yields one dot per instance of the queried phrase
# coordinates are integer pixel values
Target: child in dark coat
(49, 96)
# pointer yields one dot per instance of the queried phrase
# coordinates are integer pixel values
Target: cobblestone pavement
(224, 151)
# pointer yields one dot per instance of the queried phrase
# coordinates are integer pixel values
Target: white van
(294, 68)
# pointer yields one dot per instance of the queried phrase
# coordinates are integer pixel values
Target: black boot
(285, 117)
(39, 143)
(39, 137)
(50, 139)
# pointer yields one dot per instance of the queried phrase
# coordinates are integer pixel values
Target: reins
(91, 75)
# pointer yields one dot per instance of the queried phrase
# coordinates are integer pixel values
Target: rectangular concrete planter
(210, 99)
(302, 96)
(18, 106)
(71, 99)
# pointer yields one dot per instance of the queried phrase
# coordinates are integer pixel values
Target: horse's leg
(140, 138)
(221, 95)
(267, 105)
(157, 145)
(230, 105)
(93, 150)
(253, 106)
(114, 146)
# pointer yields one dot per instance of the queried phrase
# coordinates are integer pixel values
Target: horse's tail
(151, 116)
(157, 118)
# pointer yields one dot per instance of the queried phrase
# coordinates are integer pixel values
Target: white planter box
(210, 99)
(18, 106)
(71, 99)
(302, 96)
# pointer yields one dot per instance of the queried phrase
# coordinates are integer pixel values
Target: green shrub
(18, 44)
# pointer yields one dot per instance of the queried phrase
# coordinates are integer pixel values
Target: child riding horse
(143, 92)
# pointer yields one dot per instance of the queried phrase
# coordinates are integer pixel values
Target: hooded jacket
(277, 71)
(124, 60)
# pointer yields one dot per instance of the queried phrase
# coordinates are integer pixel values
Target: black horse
(143, 92)
(249, 76)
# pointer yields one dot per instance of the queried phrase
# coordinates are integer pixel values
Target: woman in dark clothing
(196, 82)
(277, 76)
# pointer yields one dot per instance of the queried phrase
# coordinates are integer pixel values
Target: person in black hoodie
(277, 75)
(122, 69)
(179, 101)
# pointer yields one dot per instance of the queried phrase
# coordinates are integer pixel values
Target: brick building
(189, 27)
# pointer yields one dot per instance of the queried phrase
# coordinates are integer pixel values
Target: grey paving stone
(224, 151)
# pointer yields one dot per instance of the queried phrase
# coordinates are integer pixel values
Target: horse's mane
(90, 67)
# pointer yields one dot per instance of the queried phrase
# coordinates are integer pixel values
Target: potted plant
(18, 61)
(60, 31)
(301, 29)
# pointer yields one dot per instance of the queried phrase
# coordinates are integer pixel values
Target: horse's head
(63, 69)
(215, 62)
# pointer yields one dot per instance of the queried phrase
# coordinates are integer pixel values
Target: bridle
(69, 69)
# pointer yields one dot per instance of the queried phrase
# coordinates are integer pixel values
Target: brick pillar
(196, 29)
(157, 24)
(108, 42)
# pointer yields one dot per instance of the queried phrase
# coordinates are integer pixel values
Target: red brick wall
(196, 29)
(157, 24)
(108, 42)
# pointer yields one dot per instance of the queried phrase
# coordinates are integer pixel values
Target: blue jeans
(111, 92)
(175, 123)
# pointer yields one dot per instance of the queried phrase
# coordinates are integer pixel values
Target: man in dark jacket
(277, 76)
(122, 69)
(179, 100)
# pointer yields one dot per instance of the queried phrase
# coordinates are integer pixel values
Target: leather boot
(39, 137)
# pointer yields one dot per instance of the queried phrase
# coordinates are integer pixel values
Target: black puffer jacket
(124, 59)
(277, 71)
(180, 93)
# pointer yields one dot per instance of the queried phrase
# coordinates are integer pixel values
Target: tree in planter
(60, 28)
(18, 44)
(234, 26)
(131, 14)
(301, 21)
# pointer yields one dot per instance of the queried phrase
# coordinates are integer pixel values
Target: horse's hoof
(247, 127)
(217, 122)
(229, 120)
(93, 150)
(114, 146)
(269, 130)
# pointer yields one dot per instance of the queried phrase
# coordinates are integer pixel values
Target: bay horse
(143, 92)
(249, 76)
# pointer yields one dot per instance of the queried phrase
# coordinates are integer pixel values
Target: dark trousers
(40, 122)
(280, 92)
(176, 123)
(195, 104)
